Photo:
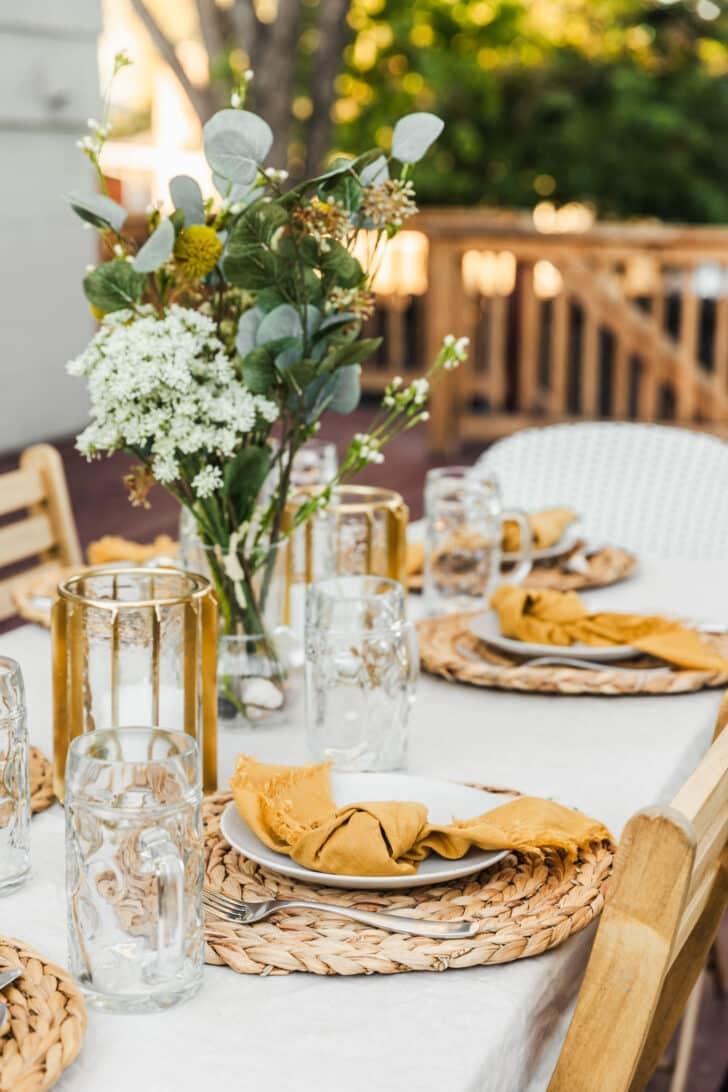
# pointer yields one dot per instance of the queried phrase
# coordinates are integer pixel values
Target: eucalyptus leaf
(374, 173)
(353, 353)
(247, 330)
(114, 286)
(97, 209)
(156, 250)
(187, 196)
(338, 319)
(285, 321)
(413, 135)
(233, 191)
(290, 354)
(243, 477)
(236, 143)
(342, 266)
(346, 390)
(259, 371)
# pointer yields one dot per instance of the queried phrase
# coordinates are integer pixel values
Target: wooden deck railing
(617, 321)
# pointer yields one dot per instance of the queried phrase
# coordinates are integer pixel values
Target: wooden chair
(669, 892)
(41, 535)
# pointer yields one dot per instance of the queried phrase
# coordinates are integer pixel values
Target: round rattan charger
(46, 1021)
(449, 648)
(525, 904)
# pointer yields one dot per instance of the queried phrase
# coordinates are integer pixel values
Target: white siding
(48, 87)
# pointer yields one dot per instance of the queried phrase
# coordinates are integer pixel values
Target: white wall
(48, 88)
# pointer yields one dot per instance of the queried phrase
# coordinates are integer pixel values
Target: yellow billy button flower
(196, 251)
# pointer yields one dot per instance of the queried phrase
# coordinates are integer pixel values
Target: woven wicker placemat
(525, 904)
(46, 1024)
(448, 648)
(41, 781)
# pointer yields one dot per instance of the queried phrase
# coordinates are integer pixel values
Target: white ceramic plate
(445, 801)
(487, 627)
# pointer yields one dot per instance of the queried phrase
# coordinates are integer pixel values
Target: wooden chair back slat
(669, 891)
(20, 489)
(44, 530)
(26, 538)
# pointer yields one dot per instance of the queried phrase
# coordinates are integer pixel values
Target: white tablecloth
(493, 1028)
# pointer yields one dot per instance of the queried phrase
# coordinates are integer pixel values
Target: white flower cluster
(457, 351)
(94, 142)
(166, 387)
(368, 448)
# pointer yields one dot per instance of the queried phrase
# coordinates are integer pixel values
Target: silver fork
(248, 912)
(590, 665)
(6, 977)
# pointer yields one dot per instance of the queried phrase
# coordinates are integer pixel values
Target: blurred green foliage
(620, 103)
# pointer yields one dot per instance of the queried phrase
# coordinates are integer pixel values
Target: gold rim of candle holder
(201, 587)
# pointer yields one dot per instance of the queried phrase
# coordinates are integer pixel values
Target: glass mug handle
(524, 566)
(159, 855)
(412, 645)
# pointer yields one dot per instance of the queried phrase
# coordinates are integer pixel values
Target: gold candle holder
(135, 647)
(362, 531)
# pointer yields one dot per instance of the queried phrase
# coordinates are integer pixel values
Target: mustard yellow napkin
(560, 618)
(112, 548)
(547, 527)
(292, 811)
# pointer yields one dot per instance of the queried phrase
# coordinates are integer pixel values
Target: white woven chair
(660, 491)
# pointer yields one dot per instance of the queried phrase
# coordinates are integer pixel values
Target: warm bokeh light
(403, 267)
(487, 273)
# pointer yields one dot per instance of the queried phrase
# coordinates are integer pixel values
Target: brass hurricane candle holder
(135, 646)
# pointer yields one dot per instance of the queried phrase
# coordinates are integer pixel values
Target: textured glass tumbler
(464, 529)
(14, 785)
(362, 663)
(134, 867)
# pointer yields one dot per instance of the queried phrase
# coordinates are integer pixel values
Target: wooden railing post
(443, 316)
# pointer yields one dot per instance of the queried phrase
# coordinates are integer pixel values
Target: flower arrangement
(224, 337)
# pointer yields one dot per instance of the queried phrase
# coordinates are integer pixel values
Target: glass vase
(260, 660)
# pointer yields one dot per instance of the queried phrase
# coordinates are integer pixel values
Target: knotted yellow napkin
(112, 548)
(560, 618)
(547, 527)
(292, 811)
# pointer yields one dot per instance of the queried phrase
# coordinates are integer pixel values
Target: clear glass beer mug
(362, 663)
(134, 867)
(14, 786)
(464, 518)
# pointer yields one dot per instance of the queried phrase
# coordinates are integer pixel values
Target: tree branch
(274, 66)
(199, 98)
(334, 33)
(247, 27)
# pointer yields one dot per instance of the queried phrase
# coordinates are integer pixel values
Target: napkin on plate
(549, 617)
(112, 548)
(292, 811)
(547, 527)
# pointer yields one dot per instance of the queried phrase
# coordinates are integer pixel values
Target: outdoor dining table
(492, 1028)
